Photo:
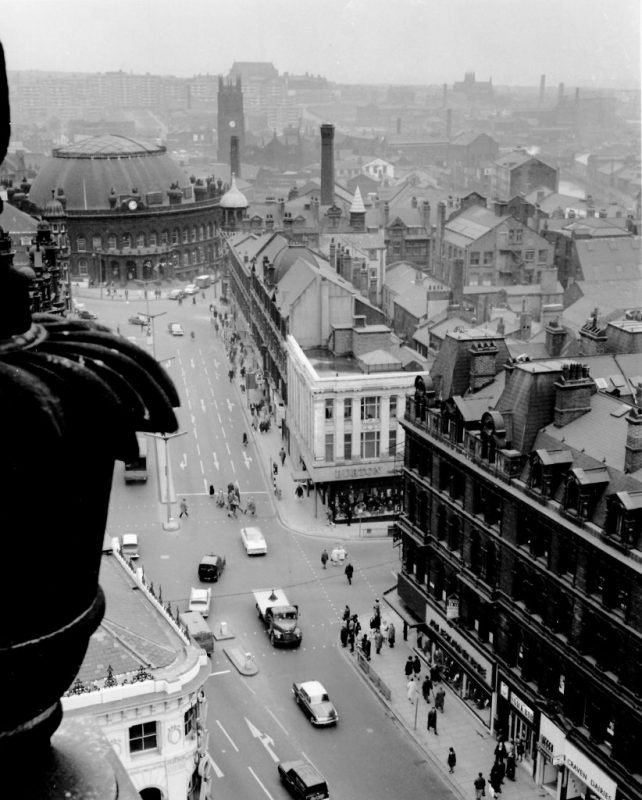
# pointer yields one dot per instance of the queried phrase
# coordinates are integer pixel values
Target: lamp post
(152, 317)
(170, 523)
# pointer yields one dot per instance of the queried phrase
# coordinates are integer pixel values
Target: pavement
(457, 726)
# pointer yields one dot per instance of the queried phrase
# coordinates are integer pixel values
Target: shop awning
(391, 598)
(301, 476)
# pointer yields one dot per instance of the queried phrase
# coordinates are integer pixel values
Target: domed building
(233, 205)
(131, 213)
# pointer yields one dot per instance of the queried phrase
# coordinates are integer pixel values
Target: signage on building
(356, 472)
(452, 607)
(504, 690)
(551, 739)
(526, 711)
(471, 656)
(591, 776)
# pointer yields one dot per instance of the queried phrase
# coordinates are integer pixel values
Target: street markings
(227, 735)
(258, 780)
(218, 772)
(266, 741)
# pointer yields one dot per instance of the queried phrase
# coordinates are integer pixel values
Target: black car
(303, 781)
(211, 567)
(139, 319)
(86, 314)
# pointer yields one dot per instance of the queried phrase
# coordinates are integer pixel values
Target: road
(253, 722)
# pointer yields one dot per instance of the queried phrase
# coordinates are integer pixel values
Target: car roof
(308, 774)
(211, 559)
(253, 533)
(313, 688)
(199, 594)
(130, 538)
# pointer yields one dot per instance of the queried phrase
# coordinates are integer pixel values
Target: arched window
(153, 239)
(127, 240)
(186, 259)
(140, 240)
(82, 266)
(194, 233)
(112, 242)
(442, 521)
(165, 237)
(96, 242)
(209, 230)
(185, 235)
(201, 233)
(175, 236)
(454, 534)
(81, 244)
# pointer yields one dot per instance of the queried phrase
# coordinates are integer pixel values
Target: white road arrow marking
(183, 463)
(215, 460)
(266, 741)
(217, 771)
(230, 405)
(247, 459)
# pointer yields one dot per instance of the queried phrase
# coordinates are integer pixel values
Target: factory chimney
(327, 165)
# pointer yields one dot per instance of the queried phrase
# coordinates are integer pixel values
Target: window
(474, 258)
(488, 258)
(185, 235)
(140, 240)
(127, 240)
(529, 255)
(153, 239)
(190, 720)
(96, 243)
(370, 444)
(393, 408)
(370, 407)
(194, 233)
(175, 236)
(201, 233)
(542, 256)
(392, 443)
(165, 237)
(142, 737)
(347, 446)
(209, 230)
(112, 242)
(81, 244)
(347, 408)
(518, 236)
(329, 408)
(82, 266)
(329, 447)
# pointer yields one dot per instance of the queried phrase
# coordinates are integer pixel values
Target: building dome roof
(234, 197)
(286, 257)
(53, 207)
(86, 171)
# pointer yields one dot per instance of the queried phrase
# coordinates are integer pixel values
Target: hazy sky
(579, 42)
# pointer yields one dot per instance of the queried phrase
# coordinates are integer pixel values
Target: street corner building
(521, 541)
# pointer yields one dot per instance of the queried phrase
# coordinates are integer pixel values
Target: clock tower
(231, 121)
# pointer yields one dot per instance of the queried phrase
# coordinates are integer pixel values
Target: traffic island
(244, 662)
(222, 631)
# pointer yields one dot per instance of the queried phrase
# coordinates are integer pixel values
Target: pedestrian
(491, 792)
(343, 635)
(184, 512)
(435, 673)
(416, 665)
(426, 688)
(432, 720)
(480, 785)
(520, 748)
(376, 607)
(510, 747)
(282, 456)
(408, 667)
(366, 646)
(378, 640)
(349, 570)
(357, 624)
(440, 697)
(324, 558)
(330, 516)
(411, 690)
(230, 375)
(275, 468)
(510, 766)
(500, 751)
(212, 490)
(495, 778)
(351, 636)
(451, 760)
(346, 614)
(391, 635)
(299, 491)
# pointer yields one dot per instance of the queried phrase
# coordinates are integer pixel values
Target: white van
(198, 630)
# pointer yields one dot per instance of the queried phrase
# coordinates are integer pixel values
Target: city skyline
(358, 41)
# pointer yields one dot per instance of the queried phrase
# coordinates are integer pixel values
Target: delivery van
(198, 630)
(203, 281)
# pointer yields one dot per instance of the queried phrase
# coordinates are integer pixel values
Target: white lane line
(285, 731)
(202, 469)
(220, 672)
(229, 738)
(217, 771)
(198, 449)
(311, 762)
(229, 452)
(256, 778)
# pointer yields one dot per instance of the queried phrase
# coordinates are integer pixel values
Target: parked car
(253, 541)
(175, 329)
(313, 699)
(211, 567)
(302, 780)
(139, 319)
(191, 288)
(85, 313)
(176, 294)
(129, 545)
(200, 600)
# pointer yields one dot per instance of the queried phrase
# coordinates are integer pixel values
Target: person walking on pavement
(343, 634)
(391, 635)
(184, 511)
(520, 748)
(357, 624)
(416, 666)
(299, 491)
(480, 785)
(408, 667)
(440, 697)
(411, 690)
(324, 558)
(510, 765)
(378, 640)
(282, 456)
(495, 777)
(349, 570)
(351, 635)
(212, 490)
(346, 613)
(451, 760)
(330, 517)
(500, 750)
(426, 688)
(432, 720)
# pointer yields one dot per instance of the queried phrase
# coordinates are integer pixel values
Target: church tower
(231, 121)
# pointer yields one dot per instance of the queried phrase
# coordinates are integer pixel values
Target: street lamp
(170, 524)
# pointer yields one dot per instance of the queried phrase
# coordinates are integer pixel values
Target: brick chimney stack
(633, 446)
(573, 393)
(482, 364)
(542, 89)
(235, 156)
(449, 124)
(327, 165)
(555, 337)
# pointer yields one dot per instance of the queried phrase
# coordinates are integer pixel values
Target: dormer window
(583, 488)
(624, 517)
(547, 468)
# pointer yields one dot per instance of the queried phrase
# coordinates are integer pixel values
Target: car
(191, 288)
(302, 780)
(139, 319)
(211, 567)
(176, 294)
(315, 702)
(175, 329)
(253, 541)
(200, 600)
(129, 545)
(85, 313)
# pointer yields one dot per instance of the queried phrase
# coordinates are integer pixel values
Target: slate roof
(470, 225)
(610, 259)
(452, 364)
(611, 297)
(13, 221)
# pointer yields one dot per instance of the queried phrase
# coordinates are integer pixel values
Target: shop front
(583, 778)
(463, 667)
(517, 721)
(364, 493)
(550, 764)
